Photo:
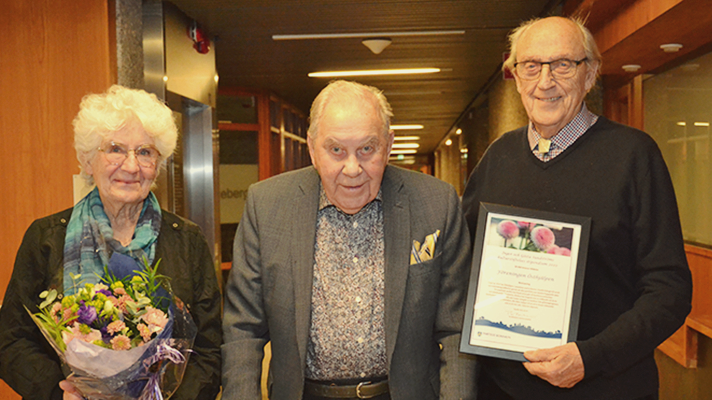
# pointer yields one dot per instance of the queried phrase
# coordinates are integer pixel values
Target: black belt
(362, 390)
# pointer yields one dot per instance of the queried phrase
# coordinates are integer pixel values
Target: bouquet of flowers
(123, 338)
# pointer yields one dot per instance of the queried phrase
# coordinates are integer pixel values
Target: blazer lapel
(303, 233)
(396, 221)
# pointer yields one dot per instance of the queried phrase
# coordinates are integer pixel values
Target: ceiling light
(373, 72)
(682, 123)
(406, 138)
(631, 67)
(448, 142)
(376, 45)
(458, 131)
(404, 127)
(671, 47)
(404, 151)
(402, 157)
(364, 35)
(702, 124)
(405, 145)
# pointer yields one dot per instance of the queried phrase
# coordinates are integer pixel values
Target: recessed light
(364, 35)
(406, 145)
(373, 72)
(404, 151)
(406, 138)
(406, 127)
(448, 142)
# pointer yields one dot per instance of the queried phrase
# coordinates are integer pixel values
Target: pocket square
(419, 254)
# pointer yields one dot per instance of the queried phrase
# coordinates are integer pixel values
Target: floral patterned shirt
(565, 137)
(347, 333)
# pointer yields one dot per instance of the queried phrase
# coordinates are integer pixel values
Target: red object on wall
(200, 41)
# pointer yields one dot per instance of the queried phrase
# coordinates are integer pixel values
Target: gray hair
(589, 43)
(101, 115)
(347, 89)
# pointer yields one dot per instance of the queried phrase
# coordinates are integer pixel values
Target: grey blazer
(268, 293)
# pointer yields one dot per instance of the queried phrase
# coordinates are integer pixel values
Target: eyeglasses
(116, 154)
(560, 69)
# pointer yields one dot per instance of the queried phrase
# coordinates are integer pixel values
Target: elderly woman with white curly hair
(122, 139)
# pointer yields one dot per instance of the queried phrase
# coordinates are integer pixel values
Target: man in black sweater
(637, 287)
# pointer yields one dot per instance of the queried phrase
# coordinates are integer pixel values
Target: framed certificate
(526, 281)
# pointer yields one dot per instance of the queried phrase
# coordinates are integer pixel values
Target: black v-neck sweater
(637, 288)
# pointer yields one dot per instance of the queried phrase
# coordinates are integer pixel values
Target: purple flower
(508, 229)
(86, 314)
(543, 238)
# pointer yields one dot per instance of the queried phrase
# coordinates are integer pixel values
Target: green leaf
(49, 297)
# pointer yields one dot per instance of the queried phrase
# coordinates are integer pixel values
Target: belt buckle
(358, 390)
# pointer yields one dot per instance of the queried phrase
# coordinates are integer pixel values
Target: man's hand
(561, 366)
(70, 392)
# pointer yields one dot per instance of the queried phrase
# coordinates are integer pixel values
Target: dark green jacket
(31, 367)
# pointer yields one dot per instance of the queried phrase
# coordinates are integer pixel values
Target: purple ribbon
(152, 391)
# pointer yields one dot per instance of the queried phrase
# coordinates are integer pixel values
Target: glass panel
(288, 119)
(678, 117)
(274, 114)
(237, 109)
(238, 170)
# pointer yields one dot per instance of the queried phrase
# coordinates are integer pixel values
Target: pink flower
(120, 303)
(559, 251)
(76, 333)
(508, 229)
(116, 326)
(121, 342)
(525, 225)
(144, 331)
(119, 291)
(155, 317)
(100, 286)
(543, 238)
(56, 308)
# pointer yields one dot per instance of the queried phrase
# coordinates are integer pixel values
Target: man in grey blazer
(356, 271)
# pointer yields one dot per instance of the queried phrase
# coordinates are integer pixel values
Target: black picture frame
(517, 280)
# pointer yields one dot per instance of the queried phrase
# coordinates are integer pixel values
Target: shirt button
(355, 224)
(355, 260)
(360, 340)
(363, 374)
(358, 299)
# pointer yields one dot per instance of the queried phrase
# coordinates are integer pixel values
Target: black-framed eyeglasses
(562, 68)
(146, 155)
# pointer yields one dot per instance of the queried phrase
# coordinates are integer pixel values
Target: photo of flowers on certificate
(526, 281)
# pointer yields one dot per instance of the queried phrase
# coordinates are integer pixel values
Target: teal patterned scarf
(90, 242)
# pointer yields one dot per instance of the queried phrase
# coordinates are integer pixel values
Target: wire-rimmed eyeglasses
(116, 153)
(562, 68)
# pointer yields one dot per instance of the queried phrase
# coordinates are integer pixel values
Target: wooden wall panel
(52, 53)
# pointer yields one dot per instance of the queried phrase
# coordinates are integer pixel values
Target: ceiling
(248, 57)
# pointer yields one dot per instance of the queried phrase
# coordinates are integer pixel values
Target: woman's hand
(70, 392)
